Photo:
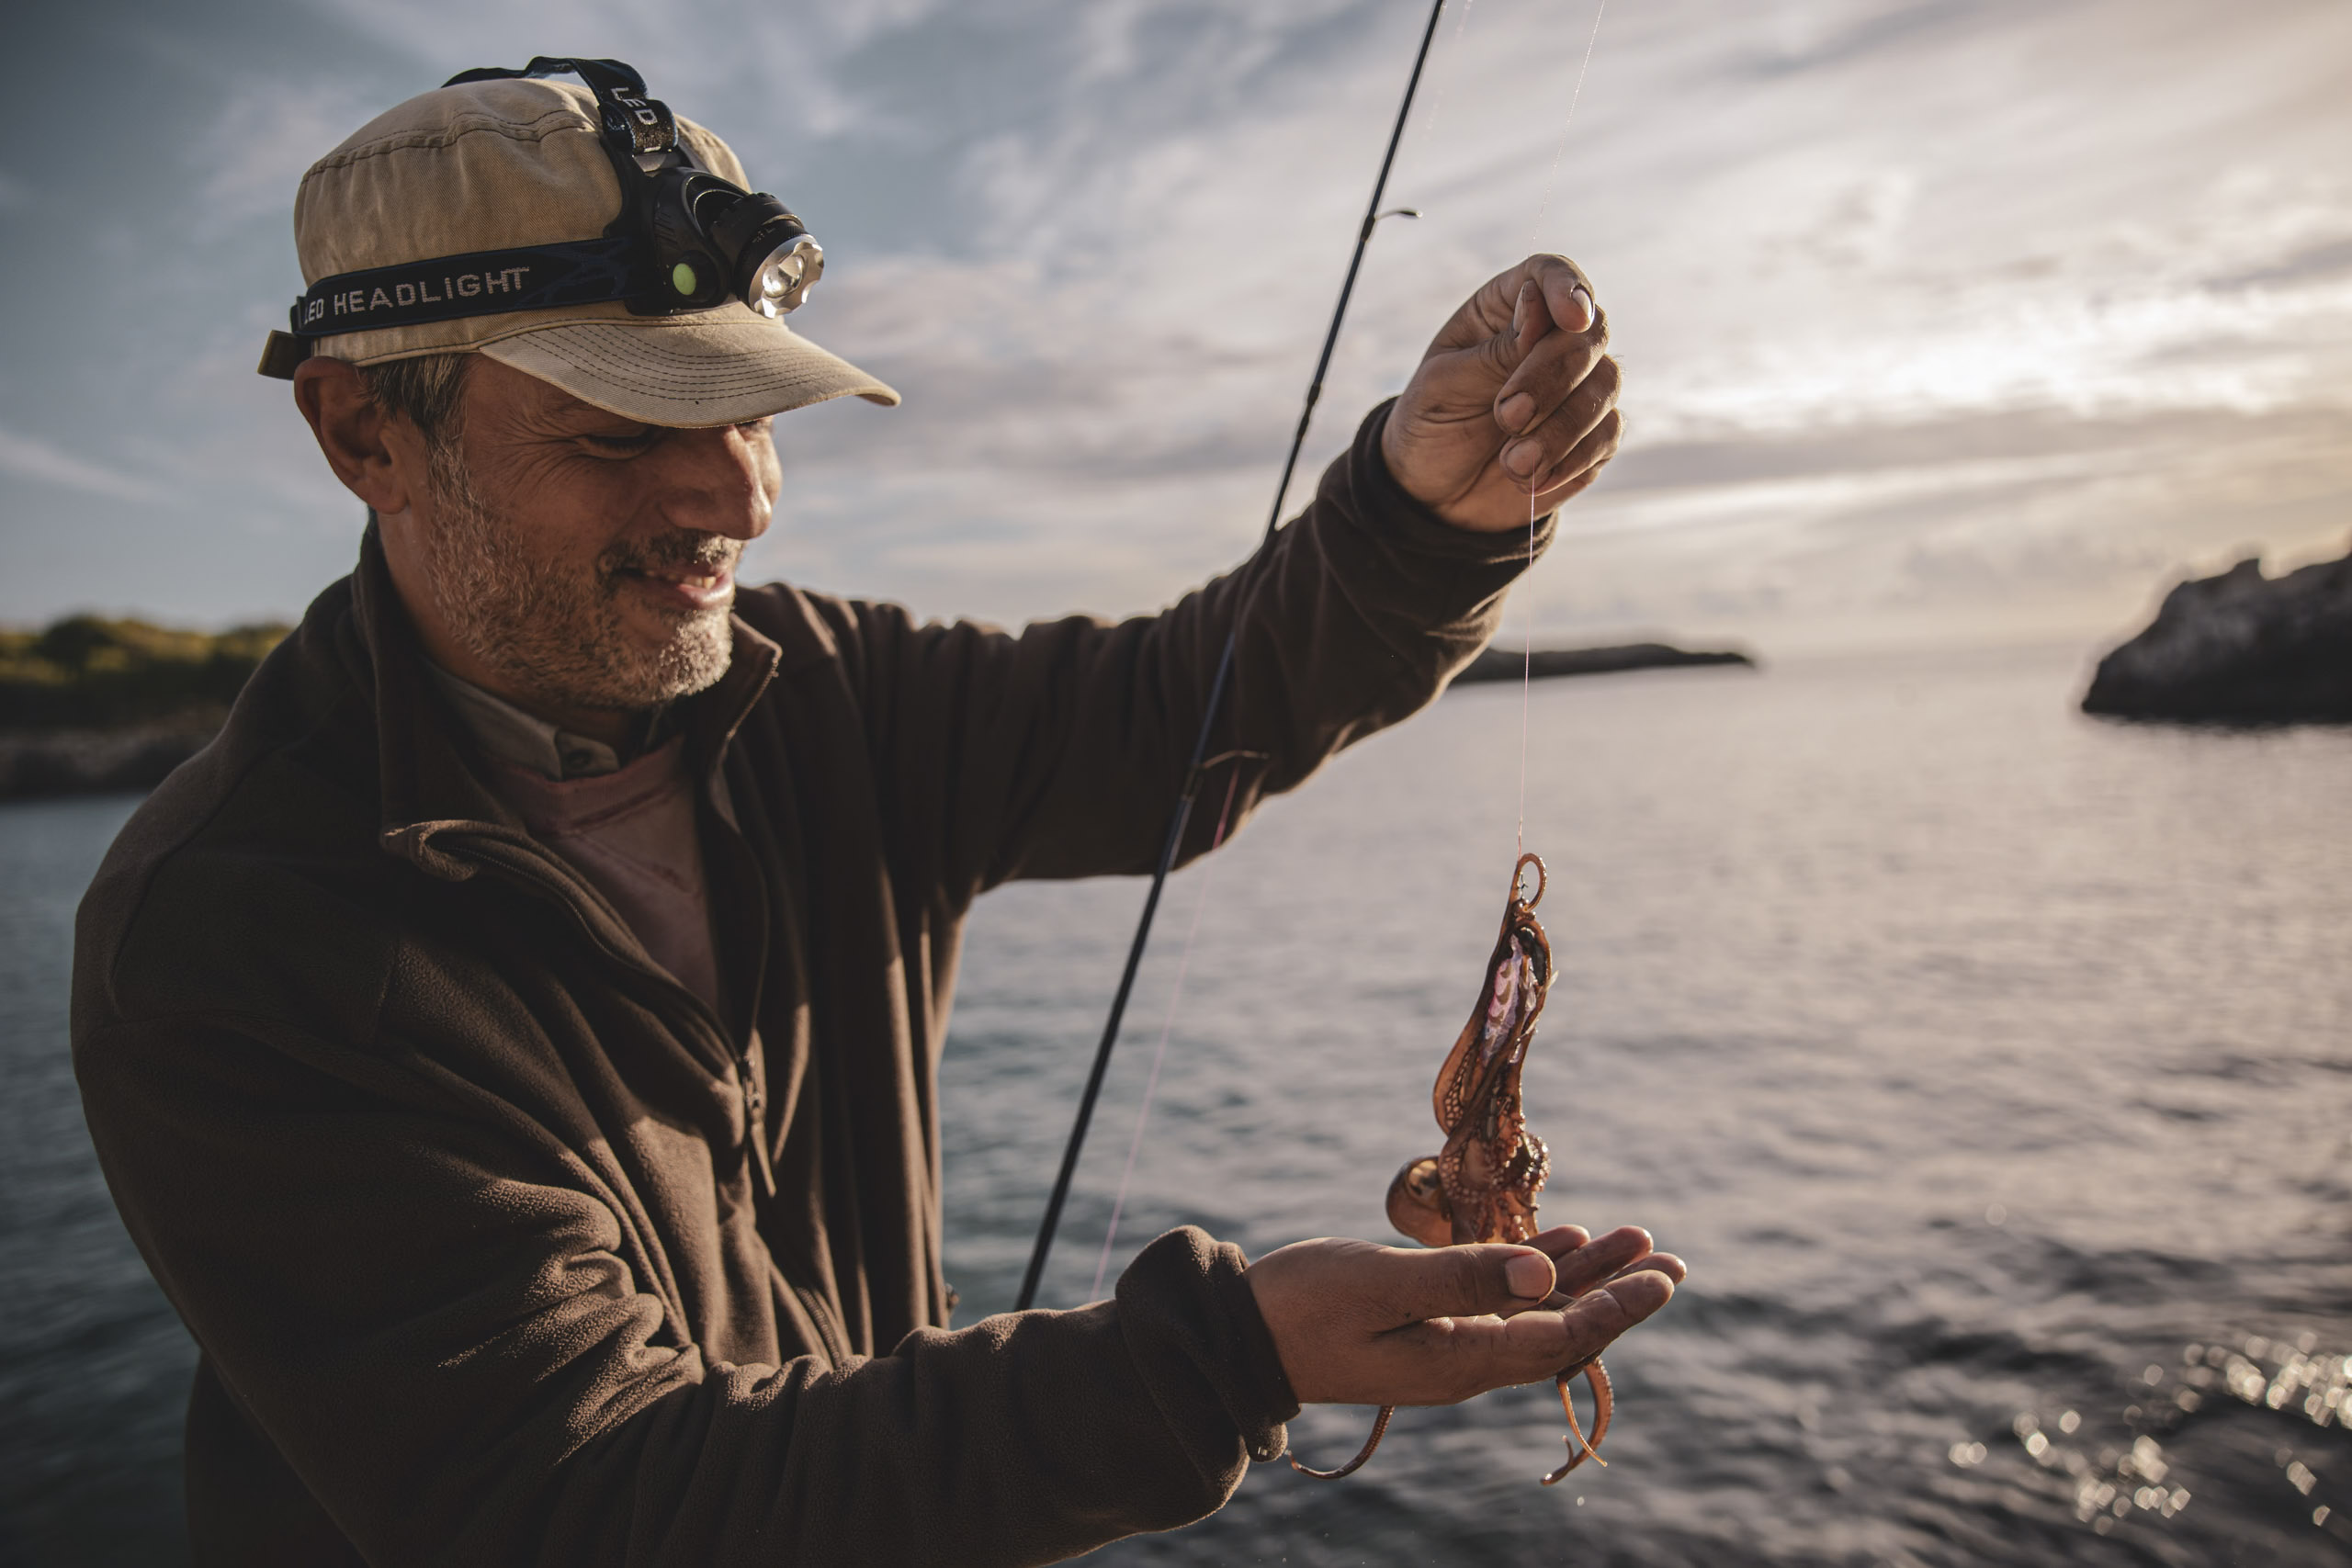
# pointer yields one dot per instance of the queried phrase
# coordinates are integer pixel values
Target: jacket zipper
(750, 1081)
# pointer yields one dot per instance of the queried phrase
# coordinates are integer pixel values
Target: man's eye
(622, 444)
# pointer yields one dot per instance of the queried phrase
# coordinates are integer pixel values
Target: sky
(1942, 322)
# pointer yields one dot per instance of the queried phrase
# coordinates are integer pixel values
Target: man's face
(585, 561)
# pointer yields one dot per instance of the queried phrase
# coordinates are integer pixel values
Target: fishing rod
(1182, 816)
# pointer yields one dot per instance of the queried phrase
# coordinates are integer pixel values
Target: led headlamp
(684, 240)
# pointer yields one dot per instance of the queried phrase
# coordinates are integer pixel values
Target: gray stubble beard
(558, 633)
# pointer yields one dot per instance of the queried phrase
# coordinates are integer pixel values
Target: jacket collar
(428, 783)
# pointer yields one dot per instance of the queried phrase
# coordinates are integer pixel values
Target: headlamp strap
(634, 125)
(637, 130)
(528, 277)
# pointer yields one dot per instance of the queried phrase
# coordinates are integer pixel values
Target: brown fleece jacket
(502, 1246)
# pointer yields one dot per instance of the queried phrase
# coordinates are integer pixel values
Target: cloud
(780, 70)
(1892, 280)
(2011, 527)
(1825, 219)
(30, 458)
(248, 163)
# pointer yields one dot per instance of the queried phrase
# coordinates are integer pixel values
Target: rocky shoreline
(95, 761)
(2239, 648)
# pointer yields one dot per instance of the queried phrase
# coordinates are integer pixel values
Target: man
(512, 1043)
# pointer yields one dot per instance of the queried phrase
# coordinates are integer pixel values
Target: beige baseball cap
(475, 172)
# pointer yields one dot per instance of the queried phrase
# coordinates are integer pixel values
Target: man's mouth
(694, 586)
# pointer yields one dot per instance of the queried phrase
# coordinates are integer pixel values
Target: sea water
(1988, 1064)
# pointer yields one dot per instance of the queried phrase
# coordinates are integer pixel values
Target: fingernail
(1591, 314)
(1530, 1275)
(1519, 313)
(1515, 410)
(1521, 458)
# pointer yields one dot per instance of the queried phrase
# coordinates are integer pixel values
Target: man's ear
(377, 456)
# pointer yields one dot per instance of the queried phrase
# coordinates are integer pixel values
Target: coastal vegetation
(90, 673)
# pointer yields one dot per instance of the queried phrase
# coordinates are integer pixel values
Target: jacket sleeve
(1061, 750)
(431, 1317)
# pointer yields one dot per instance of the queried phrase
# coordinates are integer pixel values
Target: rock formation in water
(1501, 664)
(2239, 648)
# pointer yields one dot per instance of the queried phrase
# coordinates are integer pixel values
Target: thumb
(1529, 321)
(1468, 1281)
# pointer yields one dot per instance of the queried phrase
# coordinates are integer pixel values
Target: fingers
(1583, 462)
(1552, 500)
(1546, 292)
(1560, 1240)
(1604, 1285)
(1582, 1262)
(1542, 444)
(1560, 385)
(1566, 291)
(1545, 356)
(1664, 1263)
(1581, 1272)
(1600, 1316)
(1359, 1324)
(1518, 309)
(1461, 1357)
(1556, 1244)
(1505, 372)
(1590, 1324)
(1462, 1282)
(1601, 1258)
(1540, 366)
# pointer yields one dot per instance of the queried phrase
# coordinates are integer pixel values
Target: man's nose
(717, 482)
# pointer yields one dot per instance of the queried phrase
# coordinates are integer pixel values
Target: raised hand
(1515, 397)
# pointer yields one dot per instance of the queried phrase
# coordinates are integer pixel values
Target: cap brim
(692, 372)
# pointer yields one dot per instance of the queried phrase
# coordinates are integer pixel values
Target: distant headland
(1500, 663)
(89, 704)
(2239, 648)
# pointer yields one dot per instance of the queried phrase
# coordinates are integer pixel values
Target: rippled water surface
(1990, 1066)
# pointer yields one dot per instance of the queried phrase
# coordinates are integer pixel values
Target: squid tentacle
(1379, 1430)
(1604, 1401)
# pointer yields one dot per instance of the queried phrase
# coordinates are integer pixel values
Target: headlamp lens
(785, 275)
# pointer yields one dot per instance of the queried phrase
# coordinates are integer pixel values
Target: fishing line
(1551, 178)
(1180, 816)
(1439, 98)
(1183, 960)
(1429, 123)
(1159, 1048)
(1526, 686)
(1527, 627)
